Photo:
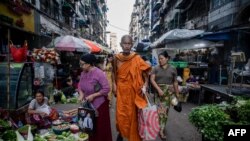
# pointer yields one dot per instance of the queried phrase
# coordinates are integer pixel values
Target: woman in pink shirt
(94, 87)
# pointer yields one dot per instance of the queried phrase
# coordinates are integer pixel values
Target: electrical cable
(118, 27)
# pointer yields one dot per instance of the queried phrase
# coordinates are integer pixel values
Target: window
(33, 2)
(45, 6)
(217, 3)
(56, 10)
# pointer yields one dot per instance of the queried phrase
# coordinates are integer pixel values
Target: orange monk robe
(129, 81)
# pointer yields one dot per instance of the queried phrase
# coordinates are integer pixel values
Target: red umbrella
(94, 48)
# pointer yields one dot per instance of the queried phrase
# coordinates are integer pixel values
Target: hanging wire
(118, 27)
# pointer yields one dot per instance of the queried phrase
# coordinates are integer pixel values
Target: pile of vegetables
(9, 135)
(24, 129)
(4, 124)
(66, 136)
(209, 119)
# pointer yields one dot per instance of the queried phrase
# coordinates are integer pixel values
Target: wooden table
(221, 90)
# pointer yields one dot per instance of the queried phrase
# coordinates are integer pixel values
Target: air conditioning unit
(190, 24)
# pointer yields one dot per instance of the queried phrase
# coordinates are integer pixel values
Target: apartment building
(39, 21)
(225, 21)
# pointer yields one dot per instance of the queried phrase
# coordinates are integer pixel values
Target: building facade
(39, 21)
(113, 42)
(228, 21)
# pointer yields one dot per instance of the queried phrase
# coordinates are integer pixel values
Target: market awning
(175, 35)
(69, 43)
(216, 36)
(94, 48)
(105, 50)
(192, 44)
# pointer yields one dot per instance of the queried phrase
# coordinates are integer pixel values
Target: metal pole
(220, 75)
(53, 39)
(8, 71)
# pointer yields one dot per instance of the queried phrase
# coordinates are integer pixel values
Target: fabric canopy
(106, 50)
(176, 35)
(94, 48)
(191, 44)
(69, 43)
(216, 36)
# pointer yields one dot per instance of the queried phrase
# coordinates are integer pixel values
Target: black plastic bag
(178, 107)
(87, 117)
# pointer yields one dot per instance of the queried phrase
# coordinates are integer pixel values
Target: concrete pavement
(178, 127)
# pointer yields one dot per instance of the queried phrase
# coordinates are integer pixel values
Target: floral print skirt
(163, 103)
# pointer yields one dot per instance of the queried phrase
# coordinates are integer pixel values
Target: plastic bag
(148, 120)
(19, 137)
(30, 135)
(177, 105)
(19, 54)
(86, 117)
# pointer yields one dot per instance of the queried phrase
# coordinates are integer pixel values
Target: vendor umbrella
(94, 48)
(69, 43)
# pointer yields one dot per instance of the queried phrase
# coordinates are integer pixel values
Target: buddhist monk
(130, 75)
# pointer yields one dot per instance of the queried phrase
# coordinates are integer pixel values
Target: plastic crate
(183, 64)
(179, 64)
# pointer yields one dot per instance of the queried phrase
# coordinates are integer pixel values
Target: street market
(180, 72)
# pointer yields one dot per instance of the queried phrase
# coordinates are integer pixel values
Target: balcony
(146, 23)
(157, 5)
(184, 4)
(156, 26)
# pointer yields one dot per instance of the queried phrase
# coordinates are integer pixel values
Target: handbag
(148, 120)
(177, 105)
(87, 117)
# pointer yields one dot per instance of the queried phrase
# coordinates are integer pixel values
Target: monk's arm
(145, 75)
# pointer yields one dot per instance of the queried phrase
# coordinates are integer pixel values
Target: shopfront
(18, 24)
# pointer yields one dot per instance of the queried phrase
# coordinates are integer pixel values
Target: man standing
(130, 76)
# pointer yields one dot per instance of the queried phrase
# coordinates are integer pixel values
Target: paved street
(178, 126)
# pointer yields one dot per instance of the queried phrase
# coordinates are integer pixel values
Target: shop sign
(25, 21)
(6, 19)
(19, 8)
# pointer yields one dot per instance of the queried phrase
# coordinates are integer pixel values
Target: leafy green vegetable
(9, 135)
(4, 124)
(209, 119)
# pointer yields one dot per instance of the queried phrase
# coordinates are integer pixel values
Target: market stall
(21, 85)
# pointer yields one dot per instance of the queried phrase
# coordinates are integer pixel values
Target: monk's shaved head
(126, 44)
(124, 37)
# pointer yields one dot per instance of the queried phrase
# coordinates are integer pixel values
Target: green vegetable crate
(179, 64)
